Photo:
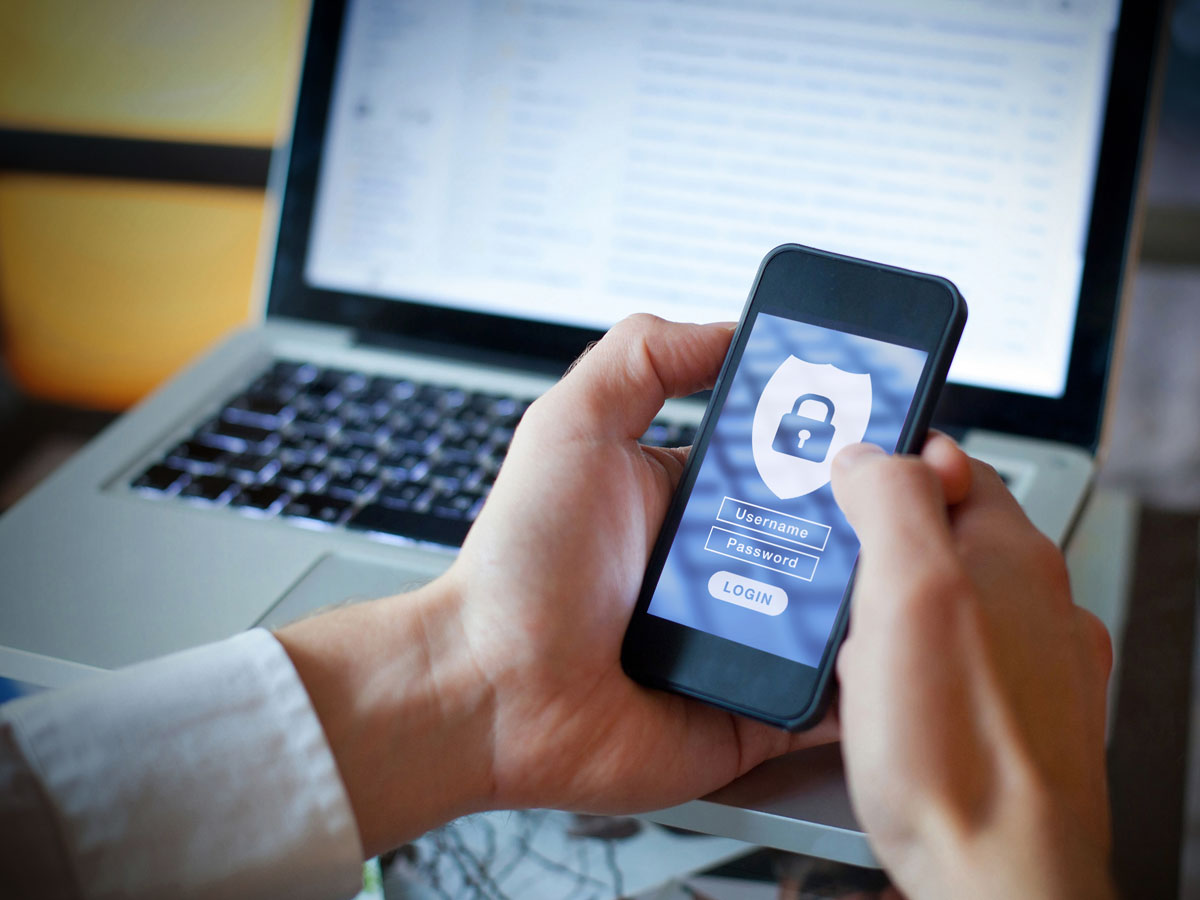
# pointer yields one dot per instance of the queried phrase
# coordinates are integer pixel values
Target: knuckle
(1048, 561)
(636, 325)
(983, 472)
(1098, 639)
(545, 413)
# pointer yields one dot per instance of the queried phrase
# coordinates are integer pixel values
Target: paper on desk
(530, 855)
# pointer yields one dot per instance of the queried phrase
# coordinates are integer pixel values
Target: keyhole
(804, 435)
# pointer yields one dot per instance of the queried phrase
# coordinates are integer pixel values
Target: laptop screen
(575, 161)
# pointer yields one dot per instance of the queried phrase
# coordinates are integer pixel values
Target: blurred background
(135, 138)
(135, 141)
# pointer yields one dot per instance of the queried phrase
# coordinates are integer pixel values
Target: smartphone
(746, 596)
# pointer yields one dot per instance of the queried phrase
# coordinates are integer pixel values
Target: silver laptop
(473, 191)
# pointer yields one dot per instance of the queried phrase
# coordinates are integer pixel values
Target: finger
(619, 386)
(990, 516)
(896, 506)
(942, 454)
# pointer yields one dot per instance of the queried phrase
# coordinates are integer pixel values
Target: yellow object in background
(218, 71)
(107, 287)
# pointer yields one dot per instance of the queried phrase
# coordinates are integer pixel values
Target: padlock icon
(804, 437)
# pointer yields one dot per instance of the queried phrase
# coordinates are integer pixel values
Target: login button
(746, 592)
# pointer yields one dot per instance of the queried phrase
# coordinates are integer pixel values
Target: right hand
(973, 690)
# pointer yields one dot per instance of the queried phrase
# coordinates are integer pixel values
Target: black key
(416, 437)
(207, 487)
(451, 399)
(352, 487)
(509, 411)
(451, 428)
(465, 420)
(351, 459)
(258, 408)
(401, 458)
(464, 449)
(403, 467)
(297, 449)
(221, 432)
(300, 478)
(430, 418)
(421, 527)
(359, 415)
(318, 508)
(262, 496)
(484, 428)
(327, 382)
(429, 394)
(484, 403)
(250, 465)
(453, 504)
(450, 471)
(320, 390)
(404, 496)
(400, 420)
(355, 437)
(390, 390)
(319, 426)
(308, 406)
(353, 384)
(158, 478)
(285, 370)
(498, 446)
(196, 452)
(380, 386)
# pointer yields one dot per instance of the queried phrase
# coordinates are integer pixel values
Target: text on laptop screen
(578, 161)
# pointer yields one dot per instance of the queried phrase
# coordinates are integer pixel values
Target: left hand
(550, 574)
(499, 684)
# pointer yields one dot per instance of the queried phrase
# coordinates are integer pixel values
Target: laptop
(473, 191)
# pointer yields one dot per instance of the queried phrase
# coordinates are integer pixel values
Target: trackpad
(337, 580)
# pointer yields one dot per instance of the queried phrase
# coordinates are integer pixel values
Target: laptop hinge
(445, 350)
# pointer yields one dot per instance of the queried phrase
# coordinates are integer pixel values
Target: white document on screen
(578, 161)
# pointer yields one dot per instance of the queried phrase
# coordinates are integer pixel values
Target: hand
(551, 572)
(499, 684)
(972, 697)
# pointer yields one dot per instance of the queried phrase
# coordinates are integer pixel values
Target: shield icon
(849, 393)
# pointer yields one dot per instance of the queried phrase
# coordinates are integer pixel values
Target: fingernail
(856, 453)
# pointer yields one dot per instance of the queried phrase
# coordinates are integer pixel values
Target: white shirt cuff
(204, 773)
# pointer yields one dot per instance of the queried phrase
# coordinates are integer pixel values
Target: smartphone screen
(762, 554)
(744, 599)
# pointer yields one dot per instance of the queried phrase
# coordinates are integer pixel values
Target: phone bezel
(831, 290)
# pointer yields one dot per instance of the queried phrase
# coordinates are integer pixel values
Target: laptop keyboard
(337, 448)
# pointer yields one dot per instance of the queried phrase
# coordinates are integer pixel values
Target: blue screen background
(802, 630)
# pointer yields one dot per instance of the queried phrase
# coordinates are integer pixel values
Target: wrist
(1028, 846)
(406, 713)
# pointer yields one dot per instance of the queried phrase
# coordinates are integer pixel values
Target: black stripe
(112, 157)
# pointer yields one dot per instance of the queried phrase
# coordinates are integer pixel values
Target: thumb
(617, 388)
(897, 508)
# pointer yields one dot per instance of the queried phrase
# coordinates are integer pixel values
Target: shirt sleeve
(200, 774)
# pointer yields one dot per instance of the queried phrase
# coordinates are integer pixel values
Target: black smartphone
(746, 596)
